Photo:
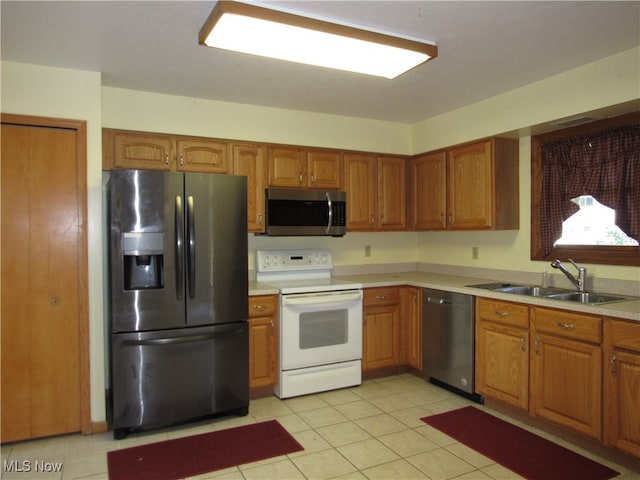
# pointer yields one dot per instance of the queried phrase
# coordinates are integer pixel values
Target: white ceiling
(484, 49)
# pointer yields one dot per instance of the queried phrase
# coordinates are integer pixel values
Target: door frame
(80, 127)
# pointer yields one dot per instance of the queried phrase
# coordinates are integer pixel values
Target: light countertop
(629, 310)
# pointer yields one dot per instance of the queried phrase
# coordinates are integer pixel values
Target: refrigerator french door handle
(330, 213)
(191, 249)
(186, 339)
(179, 229)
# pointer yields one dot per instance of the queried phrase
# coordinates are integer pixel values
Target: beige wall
(45, 91)
(62, 93)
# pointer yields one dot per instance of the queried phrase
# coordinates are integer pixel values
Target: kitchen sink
(553, 293)
(587, 297)
(532, 291)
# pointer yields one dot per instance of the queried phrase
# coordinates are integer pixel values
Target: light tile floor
(372, 431)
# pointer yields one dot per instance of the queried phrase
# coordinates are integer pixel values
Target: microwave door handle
(179, 228)
(330, 213)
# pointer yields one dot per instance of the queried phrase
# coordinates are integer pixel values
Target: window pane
(593, 224)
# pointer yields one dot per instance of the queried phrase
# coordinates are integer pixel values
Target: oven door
(320, 328)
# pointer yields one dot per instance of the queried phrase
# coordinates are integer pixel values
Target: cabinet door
(325, 169)
(411, 322)
(622, 417)
(566, 386)
(263, 360)
(427, 190)
(147, 152)
(262, 352)
(360, 184)
(205, 156)
(502, 363)
(287, 167)
(380, 337)
(470, 187)
(248, 160)
(392, 204)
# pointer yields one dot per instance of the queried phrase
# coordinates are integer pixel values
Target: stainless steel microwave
(304, 212)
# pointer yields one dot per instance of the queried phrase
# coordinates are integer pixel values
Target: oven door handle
(321, 299)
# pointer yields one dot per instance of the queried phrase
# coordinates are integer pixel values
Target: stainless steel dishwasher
(448, 341)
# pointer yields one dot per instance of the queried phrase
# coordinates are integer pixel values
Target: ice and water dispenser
(143, 260)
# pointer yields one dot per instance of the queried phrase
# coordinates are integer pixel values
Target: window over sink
(596, 167)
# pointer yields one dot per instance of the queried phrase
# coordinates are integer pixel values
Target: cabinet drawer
(503, 312)
(262, 306)
(625, 335)
(567, 324)
(381, 296)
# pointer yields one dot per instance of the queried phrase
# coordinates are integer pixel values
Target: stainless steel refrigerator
(179, 305)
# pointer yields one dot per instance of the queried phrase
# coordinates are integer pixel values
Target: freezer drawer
(165, 377)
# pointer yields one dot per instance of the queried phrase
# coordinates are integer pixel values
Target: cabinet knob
(612, 364)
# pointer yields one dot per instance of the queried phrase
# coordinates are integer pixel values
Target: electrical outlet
(367, 250)
(474, 253)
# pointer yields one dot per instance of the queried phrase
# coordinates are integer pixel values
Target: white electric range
(320, 327)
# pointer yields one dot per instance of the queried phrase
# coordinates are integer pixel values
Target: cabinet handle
(372, 220)
(259, 307)
(313, 178)
(501, 314)
(381, 297)
(260, 219)
(271, 323)
(300, 178)
(450, 219)
(568, 326)
(523, 344)
(612, 365)
(181, 161)
(166, 158)
(536, 347)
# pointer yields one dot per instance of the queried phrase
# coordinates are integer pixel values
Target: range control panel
(288, 260)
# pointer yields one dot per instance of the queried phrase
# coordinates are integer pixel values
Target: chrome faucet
(582, 273)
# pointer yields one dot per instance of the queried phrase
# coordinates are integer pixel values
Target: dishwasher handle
(439, 301)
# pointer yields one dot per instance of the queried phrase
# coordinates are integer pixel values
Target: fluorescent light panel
(270, 33)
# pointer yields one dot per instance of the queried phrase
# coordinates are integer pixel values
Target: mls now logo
(27, 466)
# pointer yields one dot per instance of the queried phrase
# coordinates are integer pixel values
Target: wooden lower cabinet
(622, 385)
(381, 329)
(502, 351)
(263, 341)
(411, 326)
(566, 369)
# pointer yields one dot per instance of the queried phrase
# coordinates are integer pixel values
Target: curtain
(605, 165)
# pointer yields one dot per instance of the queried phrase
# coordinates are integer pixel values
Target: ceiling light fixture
(247, 28)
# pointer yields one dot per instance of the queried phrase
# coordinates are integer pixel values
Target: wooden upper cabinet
(360, 176)
(469, 187)
(392, 193)
(138, 151)
(156, 151)
(299, 168)
(199, 155)
(375, 187)
(427, 191)
(286, 166)
(249, 160)
(324, 169)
